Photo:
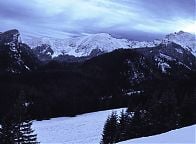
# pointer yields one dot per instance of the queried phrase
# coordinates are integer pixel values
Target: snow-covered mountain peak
(104, 42)
(101, 35)
(85, 45)
(180, 35)
(185, 39)
(80, 46)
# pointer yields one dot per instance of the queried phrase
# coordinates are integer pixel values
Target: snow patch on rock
(186, 40)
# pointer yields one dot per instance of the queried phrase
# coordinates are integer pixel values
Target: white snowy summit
(102, 41)
(80, 46)
(84, 45)
(186, 40)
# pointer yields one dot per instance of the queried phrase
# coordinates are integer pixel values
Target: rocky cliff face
(15, 56)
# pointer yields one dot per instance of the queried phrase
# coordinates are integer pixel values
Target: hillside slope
(82, 129)
(185, 135)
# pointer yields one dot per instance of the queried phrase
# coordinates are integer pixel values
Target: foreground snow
(180, 136)
(87, 129)
(83, 129)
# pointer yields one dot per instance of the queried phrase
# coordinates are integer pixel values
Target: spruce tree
(24, 132)
(124, 124)
(110, 130)
(7, 129)
(16, 126)
(135, 128)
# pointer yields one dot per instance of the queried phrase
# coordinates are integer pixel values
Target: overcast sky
(135, 19)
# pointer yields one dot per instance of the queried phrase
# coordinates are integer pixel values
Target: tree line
(163, 107)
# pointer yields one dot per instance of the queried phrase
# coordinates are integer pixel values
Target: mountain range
(108, 73)
(26, 55)
(85, 45)
(66, 77)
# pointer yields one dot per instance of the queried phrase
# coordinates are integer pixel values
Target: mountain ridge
(20, 57)
(84, 45)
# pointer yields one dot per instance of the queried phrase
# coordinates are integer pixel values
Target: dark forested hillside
(106, 81)
(163, 106)
(70, 85)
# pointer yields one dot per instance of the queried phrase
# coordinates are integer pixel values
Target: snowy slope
(87, 129)
(80, 46)
(83, 129)
(186, 40)
(185, 135)
(84, 45)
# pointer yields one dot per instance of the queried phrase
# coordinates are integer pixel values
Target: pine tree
(16, 126)
(110, 130)
(24, 131)
(7, 135)
(25, 134)
(124, 124)
(136, 124)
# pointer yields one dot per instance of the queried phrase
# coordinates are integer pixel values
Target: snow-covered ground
(87, 129)
(82, 129)
(185, 135)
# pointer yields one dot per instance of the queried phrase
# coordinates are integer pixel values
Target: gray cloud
(140, 19)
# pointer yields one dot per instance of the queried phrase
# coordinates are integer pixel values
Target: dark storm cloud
(130, 18)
